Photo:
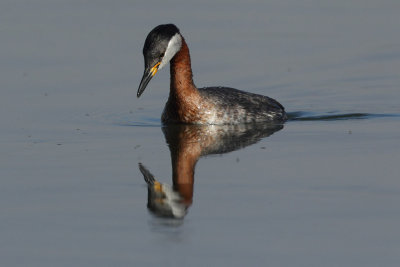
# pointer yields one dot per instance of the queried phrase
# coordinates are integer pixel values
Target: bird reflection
(187, 143)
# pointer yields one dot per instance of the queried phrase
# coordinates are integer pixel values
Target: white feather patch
(173, 47)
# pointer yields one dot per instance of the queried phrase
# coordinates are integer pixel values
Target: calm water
(323, 190)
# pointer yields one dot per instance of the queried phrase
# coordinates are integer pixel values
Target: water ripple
(310, 116)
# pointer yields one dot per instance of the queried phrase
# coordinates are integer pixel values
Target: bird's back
(236, 106)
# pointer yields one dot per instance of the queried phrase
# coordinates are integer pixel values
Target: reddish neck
(182, 84)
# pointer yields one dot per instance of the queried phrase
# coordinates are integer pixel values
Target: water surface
(321, 190)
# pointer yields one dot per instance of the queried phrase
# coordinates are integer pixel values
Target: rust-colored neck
(181, 72)
(184, 98)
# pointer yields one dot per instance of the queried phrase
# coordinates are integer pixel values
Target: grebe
(188, 104)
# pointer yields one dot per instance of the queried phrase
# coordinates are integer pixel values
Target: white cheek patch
(173, 47)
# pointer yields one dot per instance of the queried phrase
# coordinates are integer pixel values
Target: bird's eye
(161, 55)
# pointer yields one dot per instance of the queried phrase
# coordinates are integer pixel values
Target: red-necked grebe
(209, 105)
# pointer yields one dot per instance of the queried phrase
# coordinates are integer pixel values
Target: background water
(322, 192)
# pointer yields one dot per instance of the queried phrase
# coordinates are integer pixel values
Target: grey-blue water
(323, 190)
